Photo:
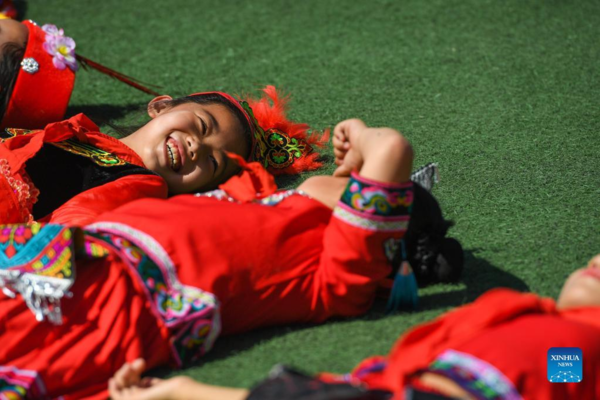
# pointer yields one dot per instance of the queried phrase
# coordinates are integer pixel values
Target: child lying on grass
(161, 279)
(70, 172)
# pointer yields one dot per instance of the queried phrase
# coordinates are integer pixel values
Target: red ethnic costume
(32, 160)
(69, 173)
(161, 279)
(495, 348)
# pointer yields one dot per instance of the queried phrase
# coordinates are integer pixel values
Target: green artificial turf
(504, 95)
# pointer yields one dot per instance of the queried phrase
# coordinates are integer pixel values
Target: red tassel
(86, 62)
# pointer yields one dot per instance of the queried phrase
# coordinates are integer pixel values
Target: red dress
(163, 278)
(76, 135)
(506, 335)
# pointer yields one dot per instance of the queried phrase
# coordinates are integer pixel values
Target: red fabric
(511, 331)
(86, 206)
(98, 335)
(82, 208)
(290, 262)
(10, 209)
(41, 97)
(267, 265)
(256, 184)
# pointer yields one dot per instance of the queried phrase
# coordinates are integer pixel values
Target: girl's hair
(12, 55)
(209, 98)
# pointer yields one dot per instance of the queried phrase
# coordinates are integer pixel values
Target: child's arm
(381, 154)
(127, 384)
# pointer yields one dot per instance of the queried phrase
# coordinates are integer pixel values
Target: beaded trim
(271, 200)
(479, 378)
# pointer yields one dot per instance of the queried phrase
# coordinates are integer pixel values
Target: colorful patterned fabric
(375, 206)
(12, 132)
(192, 315)
(480, 379)
(20, 384)
(274, 148)
(37, 262)
(99, 156)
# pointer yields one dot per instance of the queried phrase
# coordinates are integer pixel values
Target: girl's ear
(157, 105)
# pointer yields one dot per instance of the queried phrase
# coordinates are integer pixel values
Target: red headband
(42, 89)
(46, 78)
(232, 100)
(278, 144)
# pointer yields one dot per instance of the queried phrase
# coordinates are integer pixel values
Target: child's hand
(348, 156)
(127, 384)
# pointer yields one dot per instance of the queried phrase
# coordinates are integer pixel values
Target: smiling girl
(70, 172)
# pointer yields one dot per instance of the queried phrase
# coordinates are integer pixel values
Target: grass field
(504, 95)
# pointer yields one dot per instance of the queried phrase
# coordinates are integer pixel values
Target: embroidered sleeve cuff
(374, 205)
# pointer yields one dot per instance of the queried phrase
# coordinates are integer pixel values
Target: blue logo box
(565, 364)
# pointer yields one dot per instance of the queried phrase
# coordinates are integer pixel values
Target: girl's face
(582, 288)
(13, 31)
(186, 144)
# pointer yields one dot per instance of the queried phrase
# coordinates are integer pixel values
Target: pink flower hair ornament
(60, 47)
(46, 78)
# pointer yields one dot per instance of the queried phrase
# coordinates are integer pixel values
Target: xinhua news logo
(565, 364)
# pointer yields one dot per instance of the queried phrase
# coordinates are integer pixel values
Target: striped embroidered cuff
(374, 205)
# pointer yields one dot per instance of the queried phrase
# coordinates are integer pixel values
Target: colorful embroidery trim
(375, 206)
(37, 262)
(192, 315)
(480, 379)
(373, 198)
(274, 148)
(12, 132)
(100, 157)
(20, 384)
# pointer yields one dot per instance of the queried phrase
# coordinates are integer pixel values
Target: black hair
(12, 55)
(210, 98)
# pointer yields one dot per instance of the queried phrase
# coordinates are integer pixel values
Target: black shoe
(433, 257)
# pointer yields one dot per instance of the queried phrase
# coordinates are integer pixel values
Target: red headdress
(45, 81)
(278, 144)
